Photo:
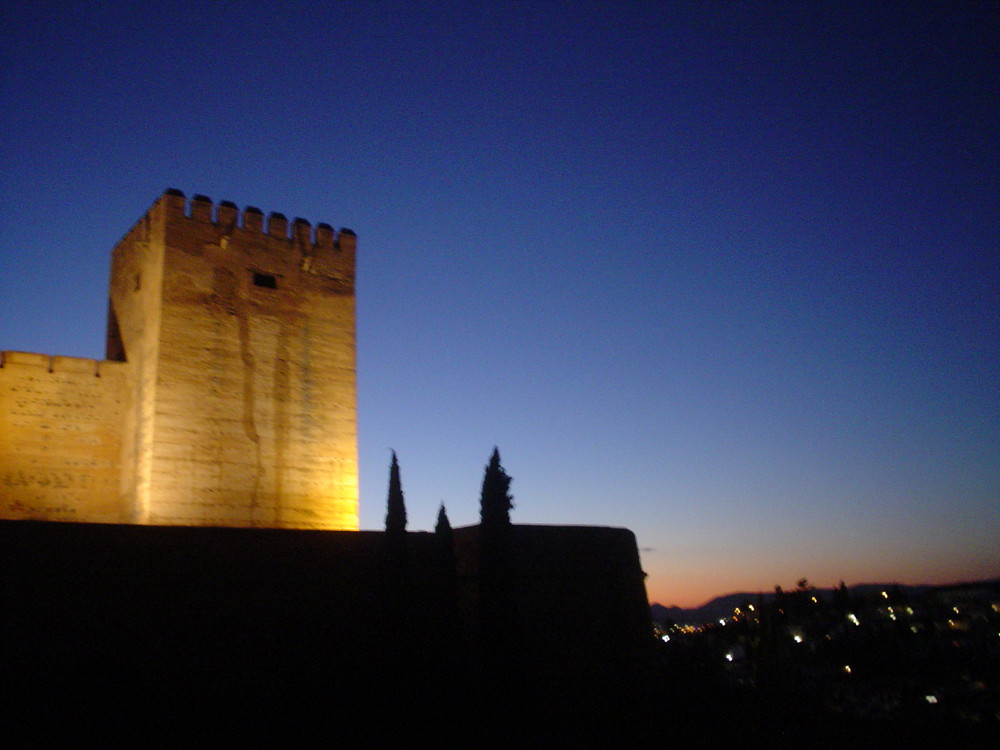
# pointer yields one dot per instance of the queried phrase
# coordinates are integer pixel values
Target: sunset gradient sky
(726, 274)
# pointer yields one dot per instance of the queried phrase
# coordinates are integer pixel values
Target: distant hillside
(722, 606)
(719, 607)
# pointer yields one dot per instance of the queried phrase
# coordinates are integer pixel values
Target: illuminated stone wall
(234, 343)
(60, 437)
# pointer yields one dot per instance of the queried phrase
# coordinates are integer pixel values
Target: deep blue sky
(727, 274)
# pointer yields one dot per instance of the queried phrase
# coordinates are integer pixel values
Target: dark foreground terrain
(170, 638)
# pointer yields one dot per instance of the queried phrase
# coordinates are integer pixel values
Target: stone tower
(232, 343)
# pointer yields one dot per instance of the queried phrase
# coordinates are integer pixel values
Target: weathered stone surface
(60, 443)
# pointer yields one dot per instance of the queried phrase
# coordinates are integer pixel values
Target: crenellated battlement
(58, 363)
(226, 215)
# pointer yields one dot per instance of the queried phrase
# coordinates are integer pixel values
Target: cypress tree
(395, 517)
(495, 503)
(498, 626)
(445, 538)
(443, 526)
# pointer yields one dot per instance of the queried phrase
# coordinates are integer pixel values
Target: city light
(823, 651)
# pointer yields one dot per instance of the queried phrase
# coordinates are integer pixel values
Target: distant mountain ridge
(722, 606)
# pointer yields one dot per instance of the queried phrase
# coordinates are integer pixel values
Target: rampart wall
(274, 625)
(60, 441)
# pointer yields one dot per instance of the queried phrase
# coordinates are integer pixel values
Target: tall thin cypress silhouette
(443, 525)
(496, 501)
(395, 517)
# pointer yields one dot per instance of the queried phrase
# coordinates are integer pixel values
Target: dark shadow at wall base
(145, 636)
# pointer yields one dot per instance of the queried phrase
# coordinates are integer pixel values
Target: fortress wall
(228, 396)
(133, 335)
(255, 417)
(561, 579)
(59, 437)
(591, 576)
(137, 615)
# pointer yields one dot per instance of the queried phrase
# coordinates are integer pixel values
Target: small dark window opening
(265, 280)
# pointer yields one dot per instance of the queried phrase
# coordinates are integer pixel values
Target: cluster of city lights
(733, 640)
